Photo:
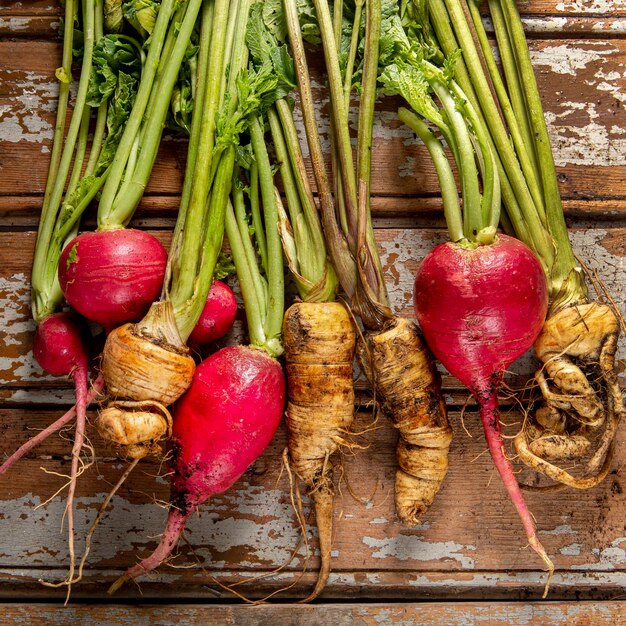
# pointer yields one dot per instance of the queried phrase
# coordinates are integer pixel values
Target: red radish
(61, 348)
(112, 276)
(221, 425)
(218, 315)
(480, 308)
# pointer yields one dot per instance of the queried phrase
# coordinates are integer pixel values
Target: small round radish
(218, 315)
(112, 277)
(480, 308)
(61, 344)
(61, 348)
(221, 425)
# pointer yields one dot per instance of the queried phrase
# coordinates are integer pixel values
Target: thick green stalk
(472, 213)
(305, 222)
(132, 190)
(275, 272)
(46, 291)
(254, 314)
(510, 106)
(255, 210)
(339, 112)
(188, 312)
(204, 43)
(449, 193)
(354, 44)
(517, 197)
(133, 125)
(339, 252)
(372, 271)
(260, 284)
(193, 232)
(566, 280)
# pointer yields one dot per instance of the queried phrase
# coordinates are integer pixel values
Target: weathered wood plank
(470, 538)
(604, 250)
(582, 87)
(424, 614)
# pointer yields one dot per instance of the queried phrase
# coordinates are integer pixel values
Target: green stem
(566, 279)
(275, 274)
(517, 197)
(133, 125)
(46, 292)
(260, 284)
(193, 232)
(515, 117)
(354, 44)
(131, 193)
(470, 190)
(339, 252)
(248, 292)
(449, 193)
(81, 149)
(339, 112)
(255, 210)
(196, 119)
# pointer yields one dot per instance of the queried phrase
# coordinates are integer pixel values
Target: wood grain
(469, 545)
(424, 614)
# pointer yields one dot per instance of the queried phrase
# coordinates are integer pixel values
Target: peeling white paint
(410, 547)
(590, 6)
(15, 23)
(563, 529)
(569, 59)
(573, 549)
(608, 558)
(544, 24)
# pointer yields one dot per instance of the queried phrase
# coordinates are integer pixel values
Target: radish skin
(221, 425)
(481, 308)
(112, 277)
(217, 317)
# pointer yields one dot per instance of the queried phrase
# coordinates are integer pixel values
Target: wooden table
(470, 548)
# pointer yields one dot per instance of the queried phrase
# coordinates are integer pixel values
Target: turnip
(581, 412)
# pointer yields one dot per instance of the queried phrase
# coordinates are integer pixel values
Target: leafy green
(113, 16)
(141, 14)
(113, 56)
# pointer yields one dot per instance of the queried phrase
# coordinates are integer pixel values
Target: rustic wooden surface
(425, 614)
(470, 545)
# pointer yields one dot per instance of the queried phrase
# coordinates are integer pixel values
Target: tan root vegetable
(146, 367)
(583, 401)
(319, 340)
(400, 368)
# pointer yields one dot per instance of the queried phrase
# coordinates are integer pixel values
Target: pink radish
(221, 425)
(112, 276)
(61, 348)
(217, 317)
(480, 308)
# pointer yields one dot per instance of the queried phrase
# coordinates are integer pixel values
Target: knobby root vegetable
(583, 401)
(480, 308)
(146, 367)
(319, 340)
(112, 276)
(401, 370)
(221, 425)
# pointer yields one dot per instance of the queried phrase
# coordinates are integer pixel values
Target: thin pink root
(96, 389)
(173, 530)
(491, 423)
